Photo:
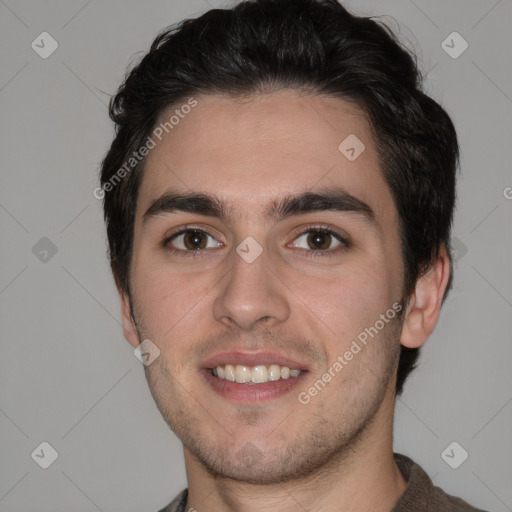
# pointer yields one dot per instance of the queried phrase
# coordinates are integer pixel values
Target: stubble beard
(327, 442)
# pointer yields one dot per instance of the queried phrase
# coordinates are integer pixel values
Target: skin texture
(335, 453)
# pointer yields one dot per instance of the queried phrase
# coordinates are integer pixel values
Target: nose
(251, 294)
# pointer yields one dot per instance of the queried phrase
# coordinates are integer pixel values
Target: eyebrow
(332, 199)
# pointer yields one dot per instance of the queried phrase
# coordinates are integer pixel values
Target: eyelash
(325, 230)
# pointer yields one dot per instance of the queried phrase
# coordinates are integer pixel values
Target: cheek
(170, 303)
(351, 299)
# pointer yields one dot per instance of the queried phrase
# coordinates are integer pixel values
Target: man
(278, 200)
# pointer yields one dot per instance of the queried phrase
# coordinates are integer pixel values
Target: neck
(361, 477)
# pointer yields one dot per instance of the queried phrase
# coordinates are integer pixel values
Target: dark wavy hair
(262, 46)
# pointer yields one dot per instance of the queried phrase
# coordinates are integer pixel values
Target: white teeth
(259, 374)
(254, 375)
(229, 371)
(274, 372)
(242, 374)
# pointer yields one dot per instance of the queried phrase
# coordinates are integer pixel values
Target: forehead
(249, 151)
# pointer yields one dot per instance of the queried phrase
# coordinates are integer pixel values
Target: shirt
(420, 494)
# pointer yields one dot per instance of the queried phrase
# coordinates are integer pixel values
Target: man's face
(300, 303)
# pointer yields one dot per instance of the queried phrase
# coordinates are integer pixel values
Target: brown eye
(320, 240)
(192, 240)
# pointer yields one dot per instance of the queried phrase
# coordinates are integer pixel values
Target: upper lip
(252, 359)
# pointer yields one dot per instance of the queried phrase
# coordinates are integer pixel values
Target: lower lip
(249, 393)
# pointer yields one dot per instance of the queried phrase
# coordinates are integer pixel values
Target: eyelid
(184, 229)
(344, 242)
(324, 228)
(182, 252)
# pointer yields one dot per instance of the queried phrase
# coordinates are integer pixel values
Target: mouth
(252, 375)
(250, 378)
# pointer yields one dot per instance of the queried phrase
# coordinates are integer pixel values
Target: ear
(424, 304)
(129, 328)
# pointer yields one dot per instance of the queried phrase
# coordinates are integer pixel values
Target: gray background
(67, 375)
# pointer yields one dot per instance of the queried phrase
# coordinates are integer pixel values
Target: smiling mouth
(259, 374)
